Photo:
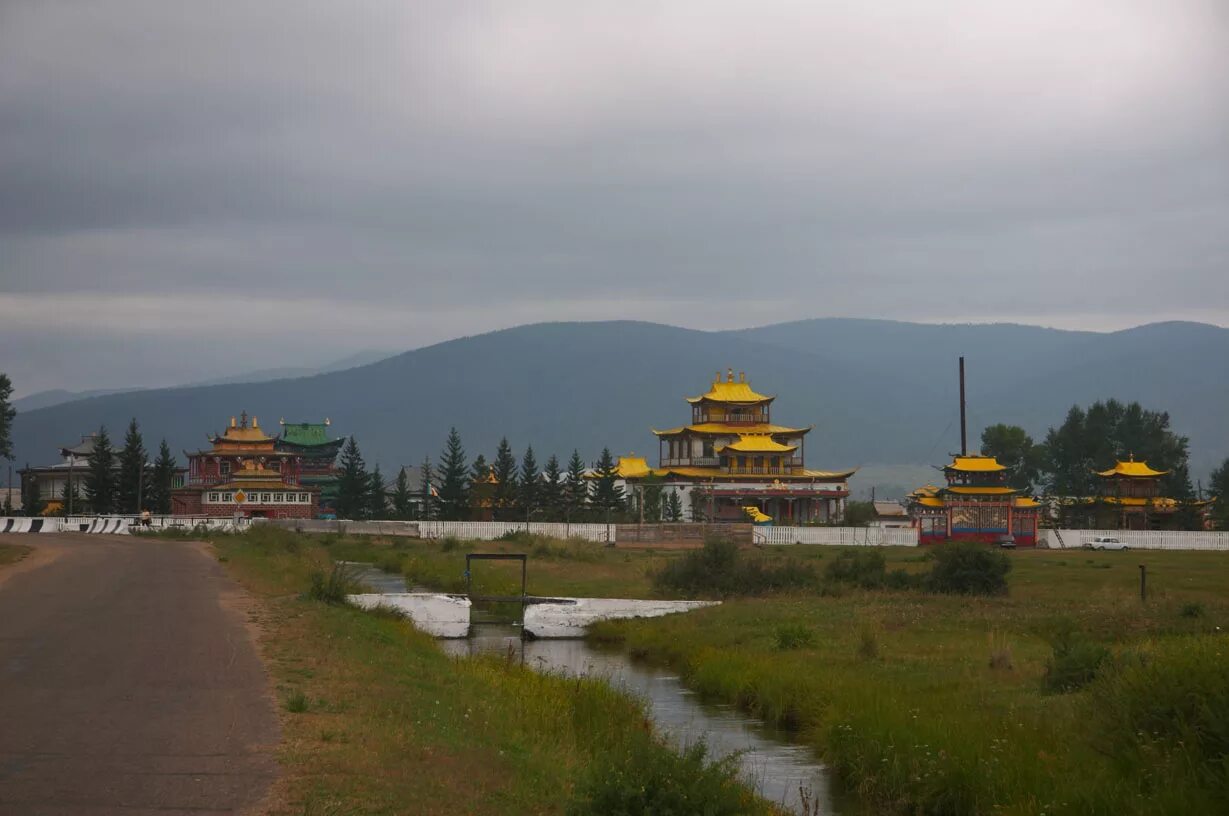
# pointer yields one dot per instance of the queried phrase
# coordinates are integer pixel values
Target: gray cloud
(409, 172)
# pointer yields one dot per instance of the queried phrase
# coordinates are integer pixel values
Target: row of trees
(456, 489)
(112, 481)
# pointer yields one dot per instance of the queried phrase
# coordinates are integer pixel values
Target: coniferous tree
(377, 495)
(1219, 490)
(31, 501)
(575, 489)
(1014, 449)
(402, 500)
(132, 475)
(100, 475)
(427, 492)
(454, 480)
(674, 507)
(161, 481)
(353, 483)
(530, 495)
(7, 413)
(552, 490)
(505, 498)
(479, 470)
(607, 494)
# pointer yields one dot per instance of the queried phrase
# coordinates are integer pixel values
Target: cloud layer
(398, 173)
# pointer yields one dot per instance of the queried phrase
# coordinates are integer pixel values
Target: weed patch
(793, 636)
(333, 587)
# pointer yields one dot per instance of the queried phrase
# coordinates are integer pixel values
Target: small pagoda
(977, 504)
(244, 474)
(732, 456)
(1130, 493)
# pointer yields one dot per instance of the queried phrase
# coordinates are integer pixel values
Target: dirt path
(129, 683)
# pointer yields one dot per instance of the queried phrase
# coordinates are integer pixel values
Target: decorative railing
(694, 461)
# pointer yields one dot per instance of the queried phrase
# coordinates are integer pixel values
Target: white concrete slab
(439, 615)
(570, 617)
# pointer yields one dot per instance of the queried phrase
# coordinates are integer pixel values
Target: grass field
(936, 704)
(377, 720)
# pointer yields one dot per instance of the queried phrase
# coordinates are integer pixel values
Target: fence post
(1143, 582)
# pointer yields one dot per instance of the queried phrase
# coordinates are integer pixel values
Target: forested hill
(876, 391)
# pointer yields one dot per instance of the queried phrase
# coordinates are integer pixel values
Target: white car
(1105, 543)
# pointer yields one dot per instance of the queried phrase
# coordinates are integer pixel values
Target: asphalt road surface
(129, 683)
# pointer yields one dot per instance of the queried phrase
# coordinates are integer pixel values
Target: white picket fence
(491, 530)
(1137, 539)
(837, 536)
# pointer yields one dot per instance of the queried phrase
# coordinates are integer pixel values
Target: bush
(449, 543)
(868, 644)
(296, 702)
(1075, 662)
(968, 568)
(862, 567)
(333, 588)
(648, 777)
(1192, 610)
(793, 636)
(719, 568)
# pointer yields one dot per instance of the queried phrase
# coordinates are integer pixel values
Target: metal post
(72, 460)
(964, 439)
(1143, 582)
(140, 487)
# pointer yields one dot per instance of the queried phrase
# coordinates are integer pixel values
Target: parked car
(1105, 543)
(1007, 541)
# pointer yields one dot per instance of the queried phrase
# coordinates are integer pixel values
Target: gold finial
(1132, 459)
(729, 376)
(742, 376)
(255, 422)
(232, 423)
(327, 422)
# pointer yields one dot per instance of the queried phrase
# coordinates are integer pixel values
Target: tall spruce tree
(377, 495)
(552, 490)
(161, 481)
(7, 413)
(427, 492)
(1219, 491)
(575, 489)
(505, 494)
(529, 499)
(403, 502)
(132, 471)
(479, 470)
(100, 475)
(32, 503)
(607, 494)
(454, 480)
(353, 483)
(674, 507)
(1014, 449)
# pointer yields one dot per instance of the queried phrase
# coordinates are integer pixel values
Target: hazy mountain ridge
(876, 391)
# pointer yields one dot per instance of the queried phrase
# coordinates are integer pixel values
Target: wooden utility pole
(964, 438)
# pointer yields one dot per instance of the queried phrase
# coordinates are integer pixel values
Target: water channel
(770, 761)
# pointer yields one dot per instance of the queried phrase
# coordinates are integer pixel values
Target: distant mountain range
(877, 392)
(57, 396)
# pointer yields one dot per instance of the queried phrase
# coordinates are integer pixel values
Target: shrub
(793, 636)
(333, 588)
(968, 568)
(868, 644)
(296, 702)
(719, 568)
(449, 543)
(646, 776)
(862, 567)
(1075, 662)
(1192, 610)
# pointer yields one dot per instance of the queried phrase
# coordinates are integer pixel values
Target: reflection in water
(769, 761)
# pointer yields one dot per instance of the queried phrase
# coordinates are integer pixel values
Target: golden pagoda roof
(931, 501)
(728, 390)
(1131, 469)
(240, 432)
(717, 428)
(1027, 501)
(633, 467)
(975, 464)
(926, 490)
(800, 475)
(970, 490)
(758, 443)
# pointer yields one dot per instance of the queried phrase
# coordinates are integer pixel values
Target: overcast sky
(191, 188)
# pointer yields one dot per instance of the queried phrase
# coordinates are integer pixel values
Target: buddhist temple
(244, 473)
(731, 457)
(1129, 498)
(977, 504)
(318, 452)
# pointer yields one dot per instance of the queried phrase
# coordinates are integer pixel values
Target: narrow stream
(770, 761)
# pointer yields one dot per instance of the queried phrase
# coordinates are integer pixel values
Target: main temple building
(732, 457)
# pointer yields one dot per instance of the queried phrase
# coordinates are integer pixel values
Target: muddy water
(769, 760)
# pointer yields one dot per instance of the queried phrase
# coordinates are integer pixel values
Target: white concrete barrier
(571, 616)
(1137, 539)
(434, 613)
(837, 536)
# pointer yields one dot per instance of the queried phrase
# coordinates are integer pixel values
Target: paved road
(129, 683)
